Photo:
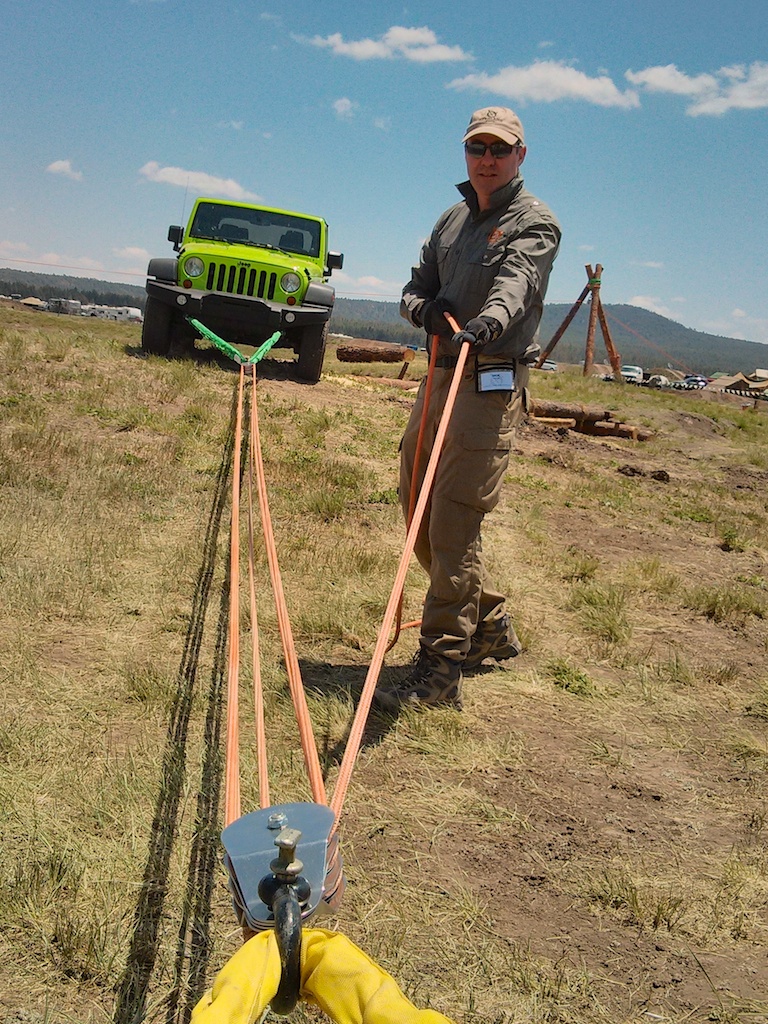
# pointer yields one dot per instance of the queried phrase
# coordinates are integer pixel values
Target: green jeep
(244, 271)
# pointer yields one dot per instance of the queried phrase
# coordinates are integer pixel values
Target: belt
(448, 363)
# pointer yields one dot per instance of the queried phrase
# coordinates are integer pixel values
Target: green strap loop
(230, 350)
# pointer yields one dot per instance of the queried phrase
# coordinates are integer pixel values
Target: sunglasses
(498, 149)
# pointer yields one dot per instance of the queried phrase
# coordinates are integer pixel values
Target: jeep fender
(318, 294)
(163, 269)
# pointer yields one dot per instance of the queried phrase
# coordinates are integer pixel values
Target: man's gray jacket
(493, 263)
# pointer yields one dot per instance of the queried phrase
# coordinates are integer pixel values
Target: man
(487, 262)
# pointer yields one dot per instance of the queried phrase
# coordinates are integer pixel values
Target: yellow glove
(335, 975)
(245, 986)
(350, 988)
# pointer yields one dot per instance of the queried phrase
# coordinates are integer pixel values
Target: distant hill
(640, 336)
(61, 286)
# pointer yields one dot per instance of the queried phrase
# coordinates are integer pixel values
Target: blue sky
(646, 124)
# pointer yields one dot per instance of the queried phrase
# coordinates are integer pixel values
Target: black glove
(478, 331)
(432, 319)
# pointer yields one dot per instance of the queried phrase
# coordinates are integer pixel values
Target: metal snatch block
(250, 850)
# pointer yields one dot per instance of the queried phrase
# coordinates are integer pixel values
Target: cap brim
(499, 133)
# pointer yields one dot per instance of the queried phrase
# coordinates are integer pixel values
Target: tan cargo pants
(481, 432)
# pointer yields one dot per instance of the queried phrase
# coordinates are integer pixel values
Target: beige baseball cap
(499, 121)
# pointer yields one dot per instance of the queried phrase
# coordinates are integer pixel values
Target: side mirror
(175, 235)
(335, 261)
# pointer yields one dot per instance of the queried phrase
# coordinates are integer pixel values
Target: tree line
(640, 336)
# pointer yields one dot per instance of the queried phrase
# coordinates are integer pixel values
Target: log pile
(585, 419)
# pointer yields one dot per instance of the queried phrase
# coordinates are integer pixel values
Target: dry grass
(586, 842)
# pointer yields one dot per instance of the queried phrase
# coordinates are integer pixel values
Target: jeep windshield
(266, 228)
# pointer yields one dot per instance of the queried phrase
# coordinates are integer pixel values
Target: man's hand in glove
(478, 331)
(433, 319)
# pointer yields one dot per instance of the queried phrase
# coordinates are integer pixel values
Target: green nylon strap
(230, 350)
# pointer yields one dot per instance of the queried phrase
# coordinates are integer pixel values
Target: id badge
(500, 377)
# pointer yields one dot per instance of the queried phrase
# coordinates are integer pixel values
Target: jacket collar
(501, 197)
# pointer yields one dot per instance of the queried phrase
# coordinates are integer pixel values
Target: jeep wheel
(312, 353)
(157, 332)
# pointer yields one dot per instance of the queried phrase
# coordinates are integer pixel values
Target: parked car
(693, 382)
(632, 374)
(657, 380)
(548, 364)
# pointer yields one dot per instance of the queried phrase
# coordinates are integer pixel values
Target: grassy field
(587, 841)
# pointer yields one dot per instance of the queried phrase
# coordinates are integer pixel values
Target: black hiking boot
(433, 681)
(499, 643)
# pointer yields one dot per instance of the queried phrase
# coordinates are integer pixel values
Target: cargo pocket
(481, 458)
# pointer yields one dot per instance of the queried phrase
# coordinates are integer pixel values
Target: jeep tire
(311, 344)
(157, 331)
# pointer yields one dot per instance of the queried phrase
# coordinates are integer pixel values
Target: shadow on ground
(193, 935)
(344, 684)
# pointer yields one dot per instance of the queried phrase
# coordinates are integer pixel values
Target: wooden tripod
(596, 312)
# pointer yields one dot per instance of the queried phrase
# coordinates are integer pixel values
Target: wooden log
(361, 350)
(581, 413)
(562, 328)
(408, 357)
(554, 421)
(613, 429)
(594, 287)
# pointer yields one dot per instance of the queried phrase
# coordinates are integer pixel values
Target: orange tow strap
(232, 784)
(414, 477)
(254, 454)
(309, 748)
(366, 697)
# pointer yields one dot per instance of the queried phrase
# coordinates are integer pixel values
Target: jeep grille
(223, 277)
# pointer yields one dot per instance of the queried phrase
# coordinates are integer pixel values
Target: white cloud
(751, 328)
(344, 107)
(654, 304)
(384, 124)
(737, 87)
(133, 258)
(415, 44)
(69, 262)
(199, 181)
(547, 81)
(131, 252)
(65, 169)
(10, 249)
(738, 325)
(366, 286)
(649, 264)
(669, 79)
(236, 126)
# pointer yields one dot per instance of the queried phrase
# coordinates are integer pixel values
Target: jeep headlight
(290, 283)
(194, 266)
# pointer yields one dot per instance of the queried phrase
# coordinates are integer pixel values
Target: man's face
(487, 172)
